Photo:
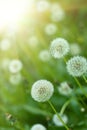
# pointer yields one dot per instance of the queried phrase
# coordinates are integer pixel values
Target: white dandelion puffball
(42, 5)
(38, 127)
(59, 48)
(33, 41)
(64, 89)
(50, 29)
(15, 79)
(57, 122)
(44, 56)
(77, 66)
(57, 13)
(5, 45)
(15, 66)
(42, 90)
(75, 49)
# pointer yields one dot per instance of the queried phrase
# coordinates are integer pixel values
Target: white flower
(44, 55)
(38, 127)
(42, 5)
(42, 90)
(64, 89)
(15, 66)
(75, 49)
(59, 48)
(50, 29)
(15, 79)
(33, 41)
(5, 45)
(57, 13)
(77, 66)
(57, 122)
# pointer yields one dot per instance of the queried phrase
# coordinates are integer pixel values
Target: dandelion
(50, 29)
(57, 122)
(59, 48)
(42, 90)
(64, 89)
(15, 79)
(38, 127)
(15, 66)
(33, 41)
(5, 45)
(77, 66)
(42, 5)
(75, 49)
(44, 55)
(57, 13)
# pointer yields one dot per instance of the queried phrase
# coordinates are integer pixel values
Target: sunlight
(12, 12)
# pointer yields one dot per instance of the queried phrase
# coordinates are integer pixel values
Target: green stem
(59, 117)
(80, 86)
(84, 78)
(64, 106)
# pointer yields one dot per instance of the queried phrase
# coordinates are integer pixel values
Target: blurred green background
(17, 108)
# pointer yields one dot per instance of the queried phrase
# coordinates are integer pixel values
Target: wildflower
(38, 127)
(57, 13)
(44, 55)
(5, 45)
(15, 66)
(50, 29)
(57, 122)
(77, 66)
(42, 90)
(64, 89)
(42, 5)
(33, 41)
(59, 48)
(15, 79)
(75, 49)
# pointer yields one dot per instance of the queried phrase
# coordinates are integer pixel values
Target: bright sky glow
(12, 12)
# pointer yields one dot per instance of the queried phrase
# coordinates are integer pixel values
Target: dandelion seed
(64, 89)
(57, 122)
(77, 66)
(42, 90)
(38, 127)
(15, 66)
(59, 48)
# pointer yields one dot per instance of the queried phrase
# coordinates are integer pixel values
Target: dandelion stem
(59, 117)
(84, 78)
(77, 81)
(64, 106)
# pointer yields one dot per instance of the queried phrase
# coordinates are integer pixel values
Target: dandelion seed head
(50, 29)
(57, 122)
(38, 127)
(77, 66)
(44, 55)
(42, 90)
(15, 66)
(64, 89)
(59, 48)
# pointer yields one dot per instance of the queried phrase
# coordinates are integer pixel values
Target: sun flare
(12, 12)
